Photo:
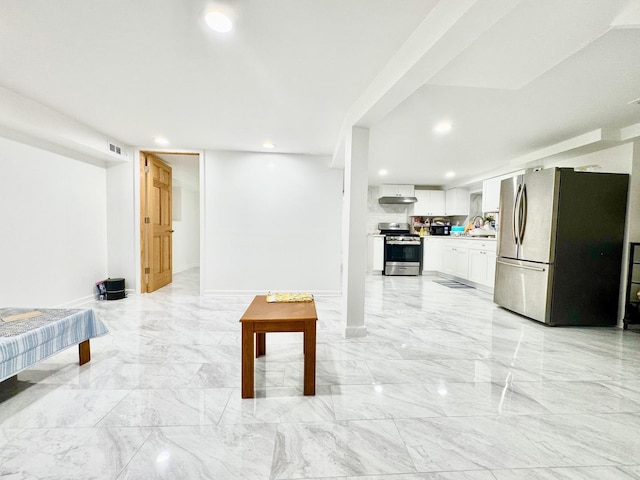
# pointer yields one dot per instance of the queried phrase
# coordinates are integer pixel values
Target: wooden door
(156, 223)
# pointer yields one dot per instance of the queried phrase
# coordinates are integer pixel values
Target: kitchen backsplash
(377, 213)
(475, 206)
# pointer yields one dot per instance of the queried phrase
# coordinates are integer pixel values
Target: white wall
(273, 222)
(611, 160)
(186, 226)
(121, 226)
(53, 230)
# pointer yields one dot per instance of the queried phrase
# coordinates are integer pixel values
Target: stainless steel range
(402, 250)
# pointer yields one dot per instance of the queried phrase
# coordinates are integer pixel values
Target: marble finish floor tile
(7, 434)
(583, 397)
(525, 441)
(339, 449)
(49, 406)
(569, 473)
(228, 374)
(280, 405)
(230, 452)
(473, 399)
(354, 402)
(444, 386)
(446, 370)
(468, 475)
(70, 453)
(344, 351)
(113, 376)
(162, 407)
(330, 373)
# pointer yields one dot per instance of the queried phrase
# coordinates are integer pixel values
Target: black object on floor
(452, 284)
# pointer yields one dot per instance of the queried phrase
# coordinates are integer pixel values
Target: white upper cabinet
(430, 203)
(491, 194)
(457, 201)
(389, 190)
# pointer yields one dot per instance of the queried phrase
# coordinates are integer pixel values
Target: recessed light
(382, 172)
(218, 22)
(450, 174)
(161, 141)
(443, 127)
(269, 145)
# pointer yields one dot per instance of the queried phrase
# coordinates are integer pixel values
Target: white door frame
(136, 209)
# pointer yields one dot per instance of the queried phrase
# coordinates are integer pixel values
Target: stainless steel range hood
(397, 200)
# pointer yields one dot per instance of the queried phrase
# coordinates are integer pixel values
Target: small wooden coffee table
(263, 317)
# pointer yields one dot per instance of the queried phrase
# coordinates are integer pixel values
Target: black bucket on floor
(111, 289)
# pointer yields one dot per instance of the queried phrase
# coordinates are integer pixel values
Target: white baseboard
(78, 302)
(187, 267)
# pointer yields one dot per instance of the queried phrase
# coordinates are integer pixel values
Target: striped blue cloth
(26, 342)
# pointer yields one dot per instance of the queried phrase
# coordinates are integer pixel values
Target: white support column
(354, 230)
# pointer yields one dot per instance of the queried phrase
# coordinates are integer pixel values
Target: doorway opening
(169, 217)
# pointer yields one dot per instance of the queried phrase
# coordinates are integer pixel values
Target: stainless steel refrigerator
(560, 246)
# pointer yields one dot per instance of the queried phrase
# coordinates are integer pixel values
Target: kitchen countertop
(448, 237)
(469, 237)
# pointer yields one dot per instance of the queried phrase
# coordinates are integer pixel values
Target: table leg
(247, 359)
(84, 352)
(261, 344)
(310, 357)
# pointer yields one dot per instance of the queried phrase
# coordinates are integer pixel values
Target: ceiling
(513, 77)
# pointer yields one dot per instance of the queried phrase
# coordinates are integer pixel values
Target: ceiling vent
(115, 149)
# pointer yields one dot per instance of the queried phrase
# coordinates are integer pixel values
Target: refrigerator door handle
(523, 213)
(516, 208)
(525, 267)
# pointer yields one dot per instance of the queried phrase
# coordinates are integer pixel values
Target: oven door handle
(404, 243)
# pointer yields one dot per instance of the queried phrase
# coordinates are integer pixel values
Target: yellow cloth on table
(21, 316)
(289, 297)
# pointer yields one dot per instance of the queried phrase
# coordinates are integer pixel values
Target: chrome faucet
(475, 221)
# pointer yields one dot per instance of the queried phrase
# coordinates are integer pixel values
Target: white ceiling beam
(448, 30)
(629, 17)
(630, 133)
(27, 121)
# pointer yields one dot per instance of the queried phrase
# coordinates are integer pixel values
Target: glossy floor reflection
(445, 386)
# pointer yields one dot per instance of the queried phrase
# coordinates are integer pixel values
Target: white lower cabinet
(432, 254)
(376, 253)
(479, 265)
(462, 258)
(473, 260)
(461, 263)
(448, 259)
(455, 260)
